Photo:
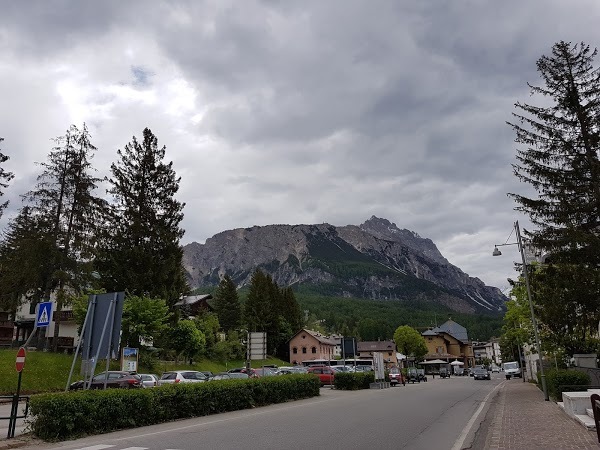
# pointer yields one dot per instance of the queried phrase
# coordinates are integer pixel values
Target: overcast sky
(292, 112)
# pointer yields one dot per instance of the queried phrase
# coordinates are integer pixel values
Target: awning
(434, 361)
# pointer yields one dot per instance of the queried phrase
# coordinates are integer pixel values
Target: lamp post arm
(533, 321)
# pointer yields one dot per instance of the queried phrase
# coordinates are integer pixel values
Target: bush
(71, 414)
(563, 380)
(351, 381)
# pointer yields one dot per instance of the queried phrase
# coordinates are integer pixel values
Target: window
(439, 349)
(303, 349)
(314, 349)
(295, 350)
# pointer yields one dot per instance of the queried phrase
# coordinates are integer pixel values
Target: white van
(511, 369)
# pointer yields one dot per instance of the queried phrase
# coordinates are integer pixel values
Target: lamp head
(496, 252)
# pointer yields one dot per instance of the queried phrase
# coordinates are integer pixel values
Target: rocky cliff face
(374, 260)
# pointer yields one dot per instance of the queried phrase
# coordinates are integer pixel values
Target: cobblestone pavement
(523, 420)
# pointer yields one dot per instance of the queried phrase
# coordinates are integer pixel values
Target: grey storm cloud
(295, 112)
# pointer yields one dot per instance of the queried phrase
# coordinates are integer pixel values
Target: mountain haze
(375, 260)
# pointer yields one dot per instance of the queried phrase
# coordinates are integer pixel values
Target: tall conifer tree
(140, 248)
(558, 155)
(66, 211)
(227, 305)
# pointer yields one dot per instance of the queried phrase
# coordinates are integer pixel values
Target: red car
(396, 376)
(325, 373)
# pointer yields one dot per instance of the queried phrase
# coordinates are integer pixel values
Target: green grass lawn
(45, 372)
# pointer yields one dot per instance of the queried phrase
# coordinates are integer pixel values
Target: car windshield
(394, 370)
(480, 371)
(511, 366)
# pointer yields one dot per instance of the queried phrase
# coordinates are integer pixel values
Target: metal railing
(14, 413)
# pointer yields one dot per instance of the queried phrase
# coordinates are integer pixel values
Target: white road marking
(136, 448)
(96, 447)
(461, 439)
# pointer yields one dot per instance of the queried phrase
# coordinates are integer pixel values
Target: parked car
(396, 376)
(182, 376)
(238, 376)
(481, 374)
(264, 372)
(221, 376)
(421, 375)
(115, 379)
(495, 369)
(149, 379)
(325, 373)
(444, 372)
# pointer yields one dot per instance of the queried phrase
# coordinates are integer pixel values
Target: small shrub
(69, 414)
(563, 380)
(351, 381)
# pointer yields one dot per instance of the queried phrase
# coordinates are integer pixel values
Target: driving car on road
(481, 374)
(396, 376)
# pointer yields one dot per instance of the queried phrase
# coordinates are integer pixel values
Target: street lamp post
(497, 252)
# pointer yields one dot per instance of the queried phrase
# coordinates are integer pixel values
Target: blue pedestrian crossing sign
(44, 314)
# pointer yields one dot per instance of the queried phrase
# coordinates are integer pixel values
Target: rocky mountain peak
(374, 260)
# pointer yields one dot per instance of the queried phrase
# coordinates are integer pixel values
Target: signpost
(44, 314)
(19, 365)
(20, 362)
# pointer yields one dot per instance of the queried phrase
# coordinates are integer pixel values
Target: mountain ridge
(375, 260)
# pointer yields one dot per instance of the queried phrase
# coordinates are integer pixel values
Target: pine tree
(66, 211)
(5, 177)
(258, 312)
(558, 156)
(227, 305)
(140, 249)
(291, 309)
(24, 263)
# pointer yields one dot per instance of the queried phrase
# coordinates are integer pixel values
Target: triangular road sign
(44, 315)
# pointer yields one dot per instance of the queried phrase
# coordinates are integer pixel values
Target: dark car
(481, 374)
(421, 375)
(444, 372)
(115, 379)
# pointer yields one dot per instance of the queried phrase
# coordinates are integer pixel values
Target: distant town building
(367, 349)
(308, 345)
(449, 342)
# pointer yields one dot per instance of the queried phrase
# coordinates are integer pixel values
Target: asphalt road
(440, 414)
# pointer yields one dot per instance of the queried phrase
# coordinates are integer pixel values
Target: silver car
(182, 376)
(149, 380)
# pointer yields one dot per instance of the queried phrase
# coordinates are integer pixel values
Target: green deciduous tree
(410, 342)
(140, 246)
(5, 177)
(186, 339)
(143, 318)
(227, 305)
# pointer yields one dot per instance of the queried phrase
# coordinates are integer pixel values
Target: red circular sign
(20, 363)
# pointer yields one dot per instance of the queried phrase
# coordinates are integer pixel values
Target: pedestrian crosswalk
(115, 447)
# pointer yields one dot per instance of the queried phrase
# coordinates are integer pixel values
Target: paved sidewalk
(523, 420)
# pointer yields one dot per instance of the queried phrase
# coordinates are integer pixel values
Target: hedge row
(563, 380)
(71, 414)
(351, 381)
